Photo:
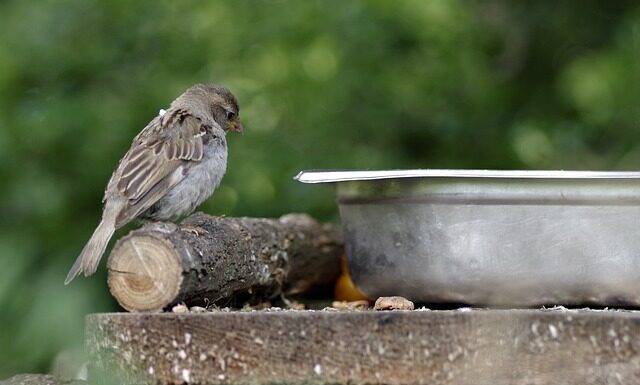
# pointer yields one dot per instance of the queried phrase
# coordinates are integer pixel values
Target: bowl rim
(334, 176)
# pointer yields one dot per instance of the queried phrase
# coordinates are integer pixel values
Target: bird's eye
(230, 115)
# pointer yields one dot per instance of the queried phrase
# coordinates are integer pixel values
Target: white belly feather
(198, 184)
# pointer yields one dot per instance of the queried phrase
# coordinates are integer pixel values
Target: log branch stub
(208, 260)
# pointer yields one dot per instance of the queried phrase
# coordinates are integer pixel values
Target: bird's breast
(200, 181)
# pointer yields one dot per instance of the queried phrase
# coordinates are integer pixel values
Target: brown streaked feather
(150, 197)
(155, 162)
(139, 160)
(198, 150)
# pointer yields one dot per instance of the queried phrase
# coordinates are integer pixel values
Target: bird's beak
(236, 126)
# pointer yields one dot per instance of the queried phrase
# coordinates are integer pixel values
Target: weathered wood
(477, 347)
(222, 260)
(38, 379)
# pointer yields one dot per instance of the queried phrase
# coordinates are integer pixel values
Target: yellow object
(345, 289)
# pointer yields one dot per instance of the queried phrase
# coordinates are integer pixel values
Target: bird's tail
(91, 254)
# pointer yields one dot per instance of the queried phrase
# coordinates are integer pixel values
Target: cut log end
(145, 273)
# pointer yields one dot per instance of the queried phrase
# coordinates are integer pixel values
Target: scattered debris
(198, 309)
(292, 304)
(393, 303)
(256, 306)
(350, 305)
(295, 305)
(180, 308)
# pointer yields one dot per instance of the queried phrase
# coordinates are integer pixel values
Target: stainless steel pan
(484, 237)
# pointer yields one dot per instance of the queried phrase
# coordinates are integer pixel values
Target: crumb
(393, 303)
(295, 305)
(180, 309)
(350, 305)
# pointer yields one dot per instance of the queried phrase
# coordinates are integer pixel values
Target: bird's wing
(158, 160)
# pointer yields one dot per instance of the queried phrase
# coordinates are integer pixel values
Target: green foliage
(322, 84)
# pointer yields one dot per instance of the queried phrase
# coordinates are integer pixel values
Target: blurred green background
(321, 84)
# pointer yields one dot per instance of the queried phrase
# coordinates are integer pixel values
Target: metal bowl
(482, 237)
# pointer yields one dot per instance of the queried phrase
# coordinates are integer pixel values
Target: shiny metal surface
(560, 238)
(343, 176)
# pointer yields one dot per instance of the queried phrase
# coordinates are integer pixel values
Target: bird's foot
(195, 230)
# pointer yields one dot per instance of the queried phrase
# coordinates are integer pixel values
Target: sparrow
(173, 165)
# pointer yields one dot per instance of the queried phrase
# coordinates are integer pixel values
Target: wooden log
(400, 347)
(227, 261)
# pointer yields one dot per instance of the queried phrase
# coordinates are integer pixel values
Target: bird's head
(216, 102)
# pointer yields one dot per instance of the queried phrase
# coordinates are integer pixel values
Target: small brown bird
(173, 165)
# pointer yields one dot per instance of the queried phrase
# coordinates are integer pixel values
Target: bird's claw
(195, 230)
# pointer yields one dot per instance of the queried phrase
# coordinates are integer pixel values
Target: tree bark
(226, 261)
